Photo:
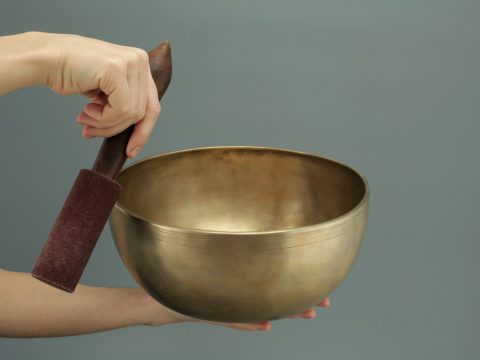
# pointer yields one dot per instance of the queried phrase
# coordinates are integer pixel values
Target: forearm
(24, 59)
(30, 308)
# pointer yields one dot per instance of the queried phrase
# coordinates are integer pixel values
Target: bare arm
(23, 62)
(30, 308)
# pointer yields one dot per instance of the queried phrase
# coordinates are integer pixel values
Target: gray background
(390, 87)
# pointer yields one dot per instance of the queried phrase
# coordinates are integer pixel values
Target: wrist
(41, 56)
(152, 313)
(25, 60)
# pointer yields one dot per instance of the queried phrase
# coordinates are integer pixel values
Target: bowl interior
(239, 189)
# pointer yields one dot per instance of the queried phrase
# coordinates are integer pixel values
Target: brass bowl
(239, 234)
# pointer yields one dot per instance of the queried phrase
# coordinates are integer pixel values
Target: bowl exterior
(239, 277)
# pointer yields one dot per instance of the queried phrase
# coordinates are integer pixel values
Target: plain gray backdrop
(389, 87)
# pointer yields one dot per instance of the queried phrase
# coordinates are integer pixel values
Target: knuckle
(142, 55)
(114, 67)
(131, 114)
(136, 56)
(138, 114)
(155, 108)
(124, 110)
(116, 64)
(131, 58)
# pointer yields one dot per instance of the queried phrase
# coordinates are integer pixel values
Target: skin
(30, 308)
(117, 82)
(115, 79)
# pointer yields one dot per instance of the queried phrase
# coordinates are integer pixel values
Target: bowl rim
(291, 231)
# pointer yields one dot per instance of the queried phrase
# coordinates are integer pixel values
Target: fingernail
(309, 314)
(135, 151)
(265, 326)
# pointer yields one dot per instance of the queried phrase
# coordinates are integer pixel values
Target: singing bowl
(239, 234)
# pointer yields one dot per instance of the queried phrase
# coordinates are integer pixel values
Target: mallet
(91, 199)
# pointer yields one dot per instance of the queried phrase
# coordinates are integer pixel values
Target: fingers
(91, 114)
(127, 96)
(139, 84)
(262, 326)
(126, 87)
(325, 303)
(96, 97)
(144, 127)
(110, 118)
(90, 131)
(266, 326)
(311, 313)
(307, 314)
(118, 109)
